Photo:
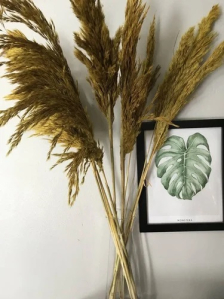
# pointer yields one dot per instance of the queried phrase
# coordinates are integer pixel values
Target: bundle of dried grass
(137, 79)
(47, 97)
(189, 67)
(48, 103)
(100, 54)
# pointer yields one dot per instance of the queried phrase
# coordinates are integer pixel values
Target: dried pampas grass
(189, 67)
(137, 79)
(48, 101)
(47, 97)
(99, 52)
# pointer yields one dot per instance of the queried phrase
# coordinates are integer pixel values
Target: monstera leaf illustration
(184, 169)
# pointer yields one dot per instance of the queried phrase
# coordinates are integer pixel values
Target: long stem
(126, 185)
(126, 236)
(111, 137)
(122, 167)
(108, 188)
(128, 173)
(110, 125)
(147, 164)
(117, 236)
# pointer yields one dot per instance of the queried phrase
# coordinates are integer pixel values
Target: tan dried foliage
(47, 98)
(189, 67)
(98, 52)
(137, 79)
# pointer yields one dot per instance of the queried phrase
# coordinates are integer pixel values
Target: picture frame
(162, 206)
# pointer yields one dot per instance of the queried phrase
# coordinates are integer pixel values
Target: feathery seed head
(47, 98)
(98, 52)
(137, 80)
(188, 68)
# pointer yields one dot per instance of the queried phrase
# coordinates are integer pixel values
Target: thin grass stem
(117, 236)
(128, 173)
(111, 137)
(147, 164)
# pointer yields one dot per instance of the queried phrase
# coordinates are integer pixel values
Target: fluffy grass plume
(47, 98)
(137, 79)
(189, 67)
(98, 52)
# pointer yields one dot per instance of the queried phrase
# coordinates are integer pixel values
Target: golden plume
(47, 98)
(188, 68)
(137, 80)
(99, 52)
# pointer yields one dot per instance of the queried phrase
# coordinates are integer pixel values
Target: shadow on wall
(217, 291)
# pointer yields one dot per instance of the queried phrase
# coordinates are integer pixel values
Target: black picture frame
(145, 227)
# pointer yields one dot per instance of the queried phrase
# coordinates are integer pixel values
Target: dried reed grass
(189, 67)
(48, 103)
(47, 98)
(99, 52)
(137, 79)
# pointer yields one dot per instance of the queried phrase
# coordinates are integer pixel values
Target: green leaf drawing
(184, 169)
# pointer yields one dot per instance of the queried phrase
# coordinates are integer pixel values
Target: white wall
(51, 251)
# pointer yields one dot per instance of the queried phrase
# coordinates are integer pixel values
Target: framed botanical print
(184, 188)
